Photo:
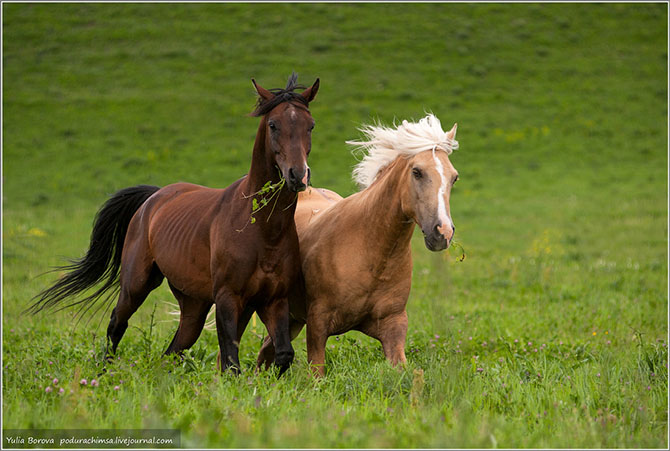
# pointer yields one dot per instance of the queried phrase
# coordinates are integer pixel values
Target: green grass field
(552, 333)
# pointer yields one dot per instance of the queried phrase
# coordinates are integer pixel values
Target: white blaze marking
(305, 177)
(441, 207)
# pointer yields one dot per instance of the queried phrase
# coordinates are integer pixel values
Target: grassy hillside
(551, 333)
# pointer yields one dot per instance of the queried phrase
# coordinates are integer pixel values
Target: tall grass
(551, 333)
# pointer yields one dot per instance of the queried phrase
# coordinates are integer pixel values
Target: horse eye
(272, 126)
(416, 172)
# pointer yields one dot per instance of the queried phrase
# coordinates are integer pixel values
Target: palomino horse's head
(422, 151)
(430, 177)
(288, 129)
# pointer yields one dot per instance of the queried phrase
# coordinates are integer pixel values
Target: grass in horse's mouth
(461, 249)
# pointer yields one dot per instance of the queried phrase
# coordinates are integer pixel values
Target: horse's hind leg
(137, 281)
(191, 322)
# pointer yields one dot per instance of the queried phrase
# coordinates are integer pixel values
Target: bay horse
(355, 252)
(214, 246)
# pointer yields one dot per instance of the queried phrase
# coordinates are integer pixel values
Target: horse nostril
(305, 177)
(441, 230)
(291, 175)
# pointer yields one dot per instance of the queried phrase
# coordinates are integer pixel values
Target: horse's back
(200, 202)
(180, 203)
(313, 202)
(197, 193)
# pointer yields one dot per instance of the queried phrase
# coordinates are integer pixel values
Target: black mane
(263, 106)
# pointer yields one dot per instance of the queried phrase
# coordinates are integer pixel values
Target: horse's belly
(194, 284)
(179, 241)
(186, 265)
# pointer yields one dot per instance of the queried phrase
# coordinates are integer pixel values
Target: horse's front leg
(316, 348)
(228, 311)
(275, 316)
(391, 331)
(267, 353)
(393, 338)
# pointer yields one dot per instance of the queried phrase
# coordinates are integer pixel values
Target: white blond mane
(383, 144)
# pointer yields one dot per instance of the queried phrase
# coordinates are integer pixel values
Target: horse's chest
(275, 272)
(270, 261)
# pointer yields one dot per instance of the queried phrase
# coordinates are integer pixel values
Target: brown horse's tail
(103, 258)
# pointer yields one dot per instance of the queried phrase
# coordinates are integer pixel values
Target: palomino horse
(214, 246)
(356, 255)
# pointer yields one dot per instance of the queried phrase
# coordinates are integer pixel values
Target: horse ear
(310, 92)
(264, 93)
(451, 134)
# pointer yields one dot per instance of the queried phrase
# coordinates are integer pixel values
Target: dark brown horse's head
(288, 129)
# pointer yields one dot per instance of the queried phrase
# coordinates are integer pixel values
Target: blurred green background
(561, 205)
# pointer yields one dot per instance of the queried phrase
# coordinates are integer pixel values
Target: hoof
(283, 361)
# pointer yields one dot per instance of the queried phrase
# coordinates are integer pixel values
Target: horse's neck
(381, 214)
(278, 212)
(261, 171)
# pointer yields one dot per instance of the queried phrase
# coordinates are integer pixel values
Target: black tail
(103, 258)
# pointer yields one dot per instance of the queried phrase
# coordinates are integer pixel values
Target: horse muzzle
(438, 238)
(298, 179)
